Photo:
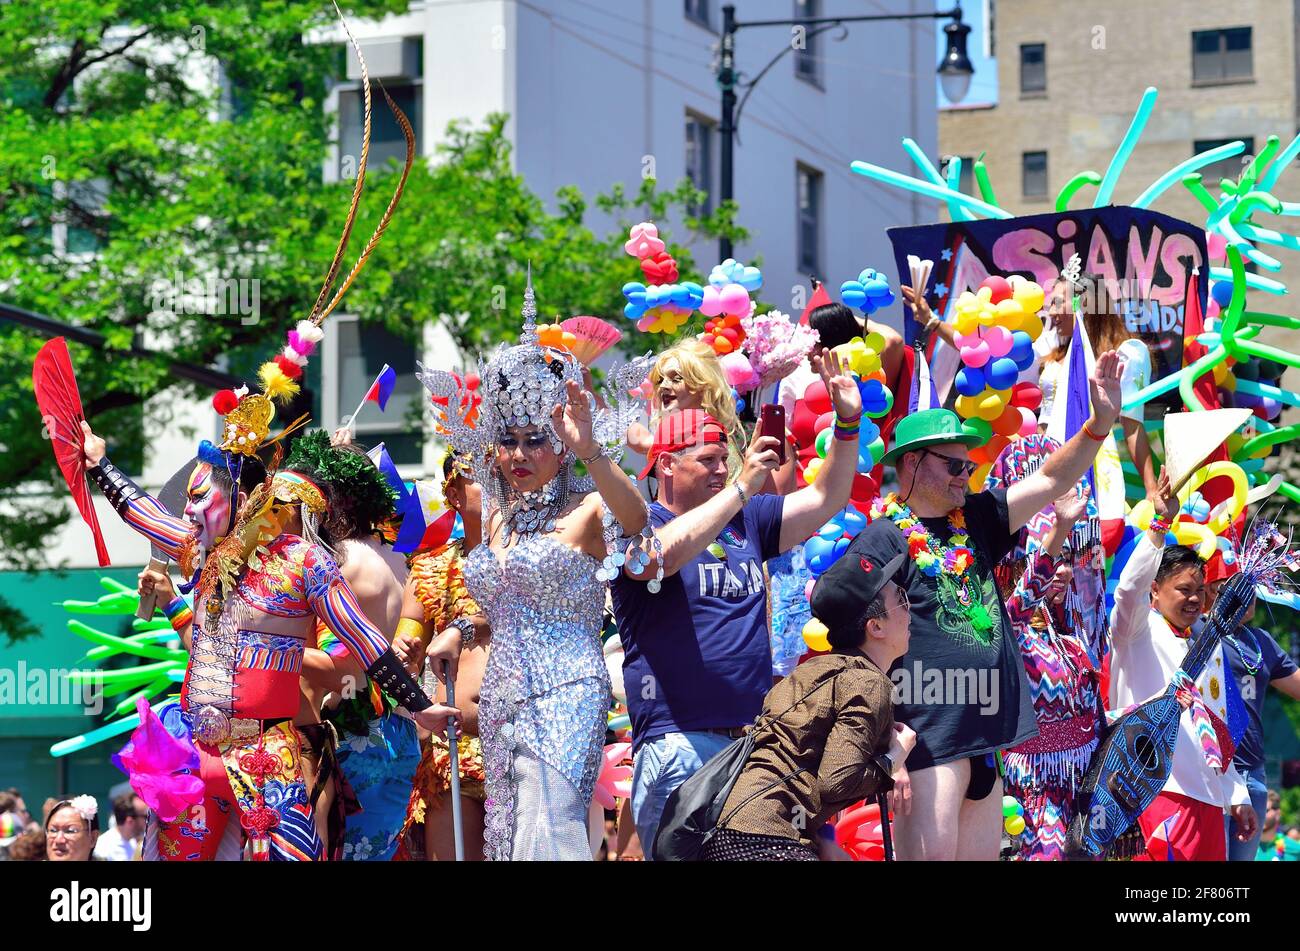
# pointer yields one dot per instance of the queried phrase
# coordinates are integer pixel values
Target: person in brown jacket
(827, 737)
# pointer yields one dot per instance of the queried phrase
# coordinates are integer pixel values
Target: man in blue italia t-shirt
(697, 658)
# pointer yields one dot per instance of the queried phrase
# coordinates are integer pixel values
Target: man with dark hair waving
(1158, 606)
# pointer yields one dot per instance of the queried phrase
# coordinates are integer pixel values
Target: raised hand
(1107, 397)
(1164, 500)
(572, 421)
(920, 306)
(94, 447)
(840, 384)
(1070, 507)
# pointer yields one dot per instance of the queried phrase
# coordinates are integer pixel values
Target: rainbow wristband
(851, 421)
(1159, 525)
(178, 613)
(846, 434)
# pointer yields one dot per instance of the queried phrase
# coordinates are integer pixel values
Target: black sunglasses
(956, 467)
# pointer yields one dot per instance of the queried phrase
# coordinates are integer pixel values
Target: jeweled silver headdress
(520, 386)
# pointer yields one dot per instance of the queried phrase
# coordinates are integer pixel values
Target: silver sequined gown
(545, 696)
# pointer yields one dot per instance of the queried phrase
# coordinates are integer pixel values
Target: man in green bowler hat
(962, 686)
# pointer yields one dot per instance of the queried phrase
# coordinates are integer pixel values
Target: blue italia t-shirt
(696, 655)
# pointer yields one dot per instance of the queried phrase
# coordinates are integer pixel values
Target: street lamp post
(954, 70)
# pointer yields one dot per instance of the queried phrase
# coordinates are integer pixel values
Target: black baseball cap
(848, 586)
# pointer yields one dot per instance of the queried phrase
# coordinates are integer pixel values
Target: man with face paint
(1158, 603)
(259, 596)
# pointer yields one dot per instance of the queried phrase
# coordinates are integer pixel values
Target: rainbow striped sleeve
(148, 517)
(336, 605)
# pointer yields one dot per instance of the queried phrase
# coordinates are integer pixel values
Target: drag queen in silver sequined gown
(552, 541)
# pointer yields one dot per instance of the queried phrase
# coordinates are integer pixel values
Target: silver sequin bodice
(545, 608)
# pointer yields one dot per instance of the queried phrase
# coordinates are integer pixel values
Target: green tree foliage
(142, 141)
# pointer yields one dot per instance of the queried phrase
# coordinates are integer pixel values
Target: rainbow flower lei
(929, 556)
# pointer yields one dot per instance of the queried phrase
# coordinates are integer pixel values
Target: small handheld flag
(379, 392)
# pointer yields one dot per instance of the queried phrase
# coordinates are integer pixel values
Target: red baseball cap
(678, 430)
(1216, 569)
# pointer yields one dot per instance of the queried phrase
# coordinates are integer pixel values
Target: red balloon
(1027, 395)
(817, 398)
(865, 488)
(999, 285)
(824, 420)
(731, 334)
(1008, 424)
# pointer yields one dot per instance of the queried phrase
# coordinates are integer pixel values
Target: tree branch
(78, 62)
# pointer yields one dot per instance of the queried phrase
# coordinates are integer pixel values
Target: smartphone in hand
(771, 422)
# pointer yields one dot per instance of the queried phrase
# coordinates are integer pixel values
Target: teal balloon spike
(151, 668)
(1120, 158)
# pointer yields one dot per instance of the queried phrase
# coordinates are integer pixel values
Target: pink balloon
(823, 421)
(807, 589)
(1212, 309)
(999, 341)
(712, 303)
(1028, 422)
(971, 339)
(645, 322)
(734, 299)
(976, 356)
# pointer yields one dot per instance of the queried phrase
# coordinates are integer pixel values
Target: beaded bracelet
(178, 613)
(1159, 525)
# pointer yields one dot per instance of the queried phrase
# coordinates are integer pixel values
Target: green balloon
(877, 450)
(1009, 806)
(823, 443)
(978, 427)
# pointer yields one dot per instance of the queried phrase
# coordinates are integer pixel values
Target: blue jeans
(660, 766)
(1258, 788)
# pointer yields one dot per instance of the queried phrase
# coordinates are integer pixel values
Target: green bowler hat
(929, 427)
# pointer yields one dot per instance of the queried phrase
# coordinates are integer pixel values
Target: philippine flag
(428, 522)
(382, 388)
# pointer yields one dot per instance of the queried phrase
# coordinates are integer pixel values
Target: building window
(386, 139)
(1230, 167)
(809, 187)
(807, 64)
(1033, 68)
(1219, 55)
(699, 160)
(698, 10)
(990, 30)
(363, 349)
(1034, 174)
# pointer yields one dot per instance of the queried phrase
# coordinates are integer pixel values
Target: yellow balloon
(1032, 324)
(1196, 536)
(978, 476)
(1240, 487)
(1028, 293)
(990, 404)
(875, 342)
(814, 635)
(965, 406)
(811, 470)
(1220, 373)
(1015, 825)
(988, 315)
(1010, 313)
(965, 321)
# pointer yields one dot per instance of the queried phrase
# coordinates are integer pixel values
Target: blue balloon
(740, 405)
(1026, 361)
(970, 381)
(831, 531)
(1001, 373)
(696, 293)
(854, 521)
(867, 432)
(1221, 291)
(634, 311)
(1021, 346)
(841, 546)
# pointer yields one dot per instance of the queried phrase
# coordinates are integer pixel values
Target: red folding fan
(60, 405)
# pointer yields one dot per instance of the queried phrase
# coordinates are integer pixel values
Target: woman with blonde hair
(689, 376)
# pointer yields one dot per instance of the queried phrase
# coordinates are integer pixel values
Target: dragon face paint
(208, 506)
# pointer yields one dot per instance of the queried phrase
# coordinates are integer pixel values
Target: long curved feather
(409, 134)
(316, 316)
